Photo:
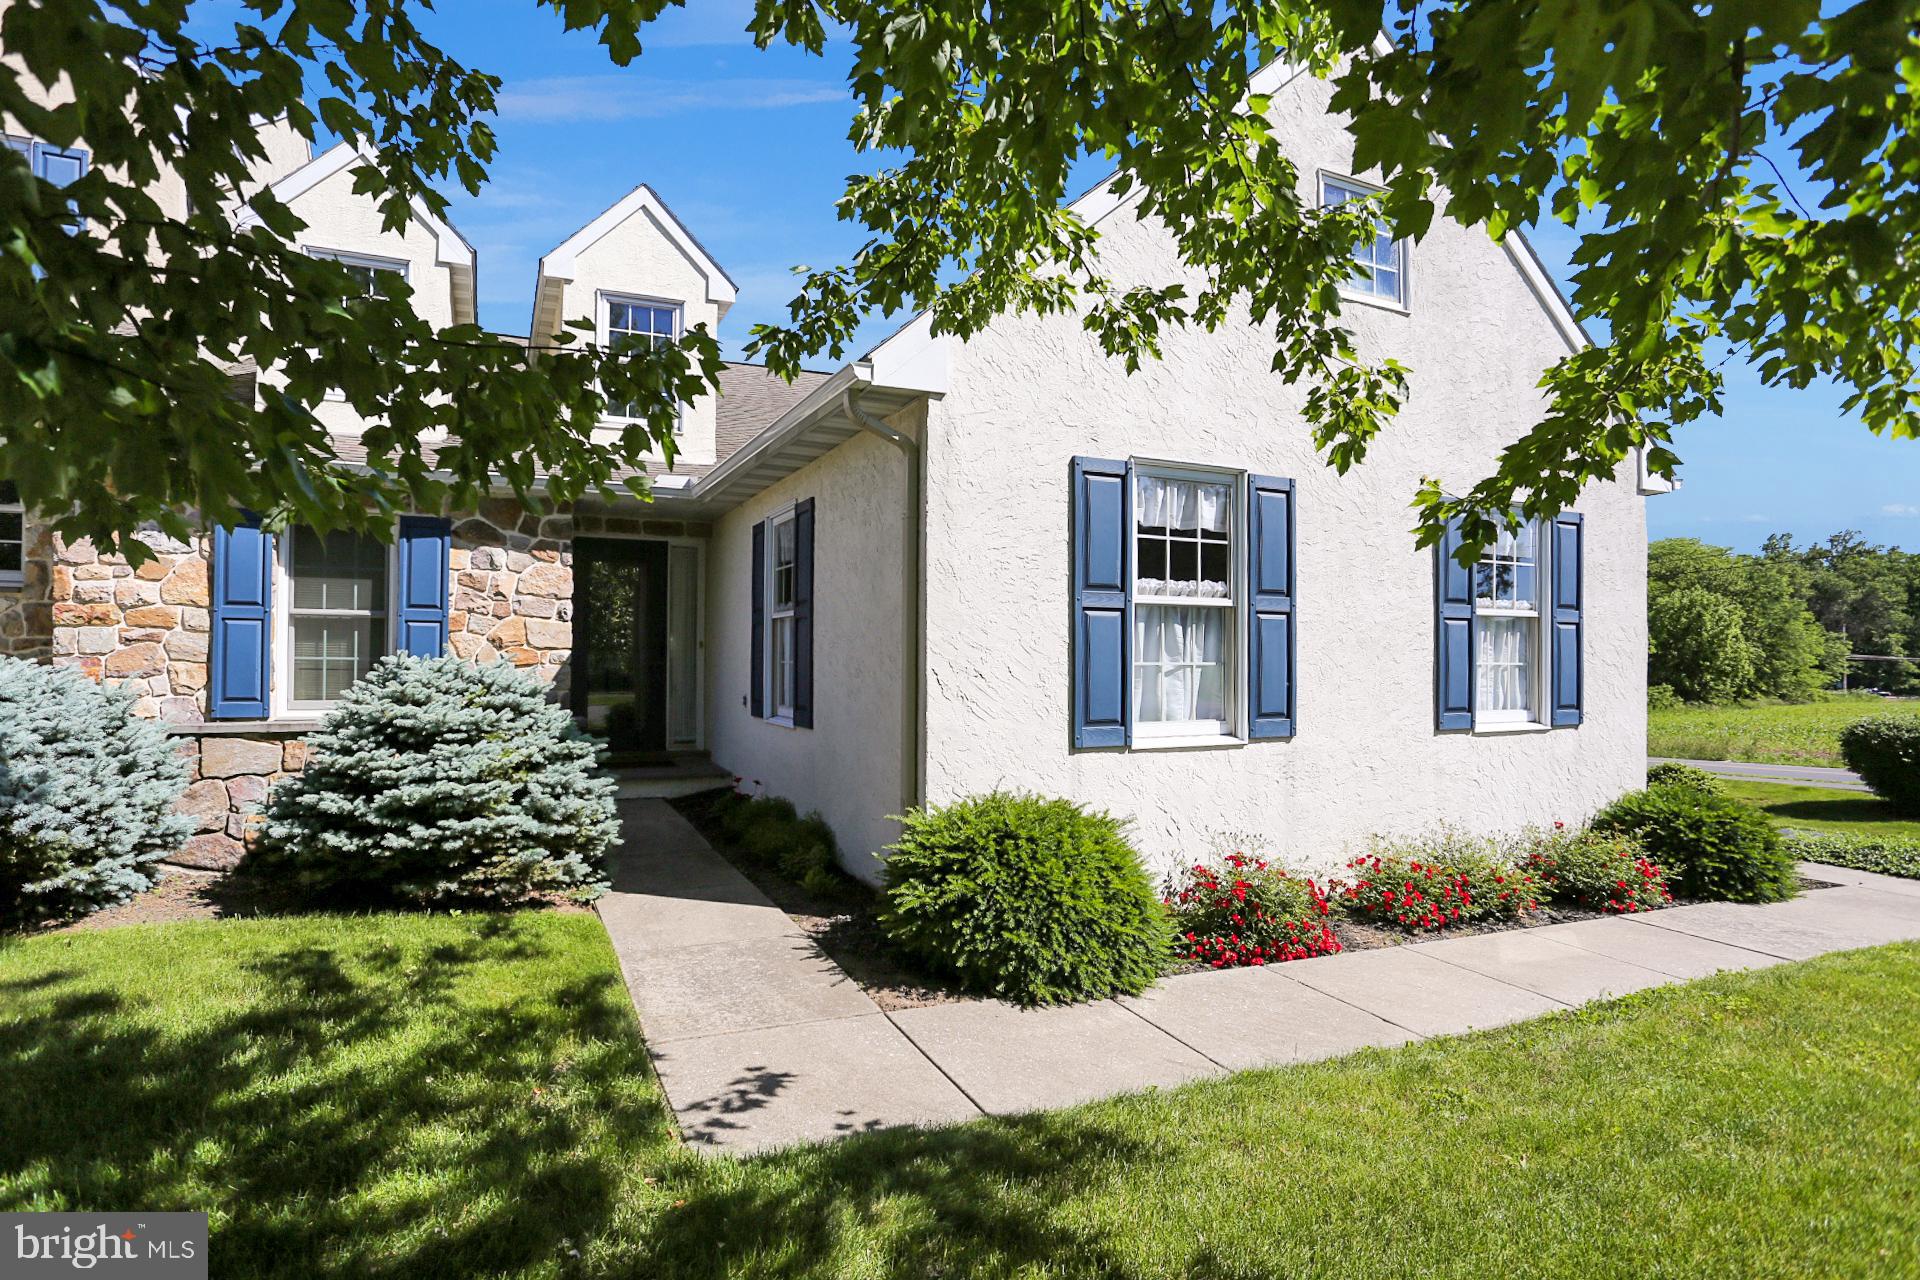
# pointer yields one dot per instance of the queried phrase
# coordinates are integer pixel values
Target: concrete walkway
(761, 1041)
(1799, 775)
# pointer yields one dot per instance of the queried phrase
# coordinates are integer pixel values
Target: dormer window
(371, 273)
(629, 324)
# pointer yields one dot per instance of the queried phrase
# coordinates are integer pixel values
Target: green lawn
(1767, 733)
(409, 1096)
(1851, 813)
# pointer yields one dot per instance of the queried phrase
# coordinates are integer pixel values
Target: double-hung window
(1507, 584)
(1382, 259)
(371, 275)
(636, 324)
(781, 576)
(337, 612)
(1185, 617)
(13, 538)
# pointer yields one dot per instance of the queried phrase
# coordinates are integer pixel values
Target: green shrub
(1674, 774)
(1032, 899)
(1661, 697)
(1246, 912)
(1602, 871)
(87, 790)
(1885, 752)
(438, 781)
(768, 830)
(1711, 847)
(1888, 855)
(1434, 881)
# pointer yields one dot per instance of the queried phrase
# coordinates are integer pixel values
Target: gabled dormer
(346, 225)
(636, 273)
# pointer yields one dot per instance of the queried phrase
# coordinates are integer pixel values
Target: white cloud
(1900, 509)
(567, 99)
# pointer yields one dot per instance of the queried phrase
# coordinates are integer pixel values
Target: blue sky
(750, 149)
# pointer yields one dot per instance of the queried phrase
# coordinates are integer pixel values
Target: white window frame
(1538, 614)
(369, 261)
(773, 614)
(350, 258)
(604, 300)
(1349, 289)
(283, 701)
(15, 577)
(1190, 733)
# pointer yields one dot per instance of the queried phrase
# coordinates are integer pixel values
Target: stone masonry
(510, 597)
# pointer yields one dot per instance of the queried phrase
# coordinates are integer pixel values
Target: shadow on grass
(1863, 811)
(359, 1111)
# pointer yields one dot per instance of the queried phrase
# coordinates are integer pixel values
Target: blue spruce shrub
(87, 790)
(437, 781)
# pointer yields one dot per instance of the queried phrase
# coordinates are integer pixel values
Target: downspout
(910, 560)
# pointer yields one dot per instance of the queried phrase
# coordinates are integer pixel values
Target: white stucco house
(954, 566)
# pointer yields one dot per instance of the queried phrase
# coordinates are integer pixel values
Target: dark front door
(620, 641)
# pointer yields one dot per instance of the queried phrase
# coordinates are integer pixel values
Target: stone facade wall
(147, 626)
(510, 600)
(512, 591)
(229, 778)
(26, 613)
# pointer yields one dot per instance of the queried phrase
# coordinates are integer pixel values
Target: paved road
(1800, 775)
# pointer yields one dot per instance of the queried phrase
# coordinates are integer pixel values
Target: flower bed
(1246, 912)
(1436, 883)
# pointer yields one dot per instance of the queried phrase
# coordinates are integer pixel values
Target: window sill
(1529, 726)
(784, 722)
(13, 582)
(1188, 742)
(243, 728)
(1377, 303)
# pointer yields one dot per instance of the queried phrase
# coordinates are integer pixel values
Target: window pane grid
(639, 326)
(1183, 604)
(1380, 254)
(1507, 628)
(337, 610)
(780, 626)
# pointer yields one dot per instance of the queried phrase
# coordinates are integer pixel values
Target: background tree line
(1780, 624)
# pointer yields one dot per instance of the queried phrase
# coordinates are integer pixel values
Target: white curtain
(1178, 663)
(1182, 504)
(1506, 663)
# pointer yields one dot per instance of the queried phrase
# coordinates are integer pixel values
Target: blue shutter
(1270, 620)
(424, 558)
(803, 614)
(1453, 659)
(240, 649)
(1569, 681)
(757, 646)
(1100, 611)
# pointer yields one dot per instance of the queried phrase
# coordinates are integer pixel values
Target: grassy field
(1767, 733)
(411, 1096)
(1850, 813)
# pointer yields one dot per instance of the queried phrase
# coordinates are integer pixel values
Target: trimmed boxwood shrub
(1031, 899)
(1244, 911)
(87, 791)
(1674, 774)
(1888, 855)
(1885, 752)
(1599, 870)
(1711, 847)
(437, 781)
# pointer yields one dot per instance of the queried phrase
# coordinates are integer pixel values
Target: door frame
(699, 639)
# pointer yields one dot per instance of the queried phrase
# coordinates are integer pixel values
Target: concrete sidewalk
(1799, 775)
(761, 1041)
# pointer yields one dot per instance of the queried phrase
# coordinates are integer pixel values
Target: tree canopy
(1744, 176)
